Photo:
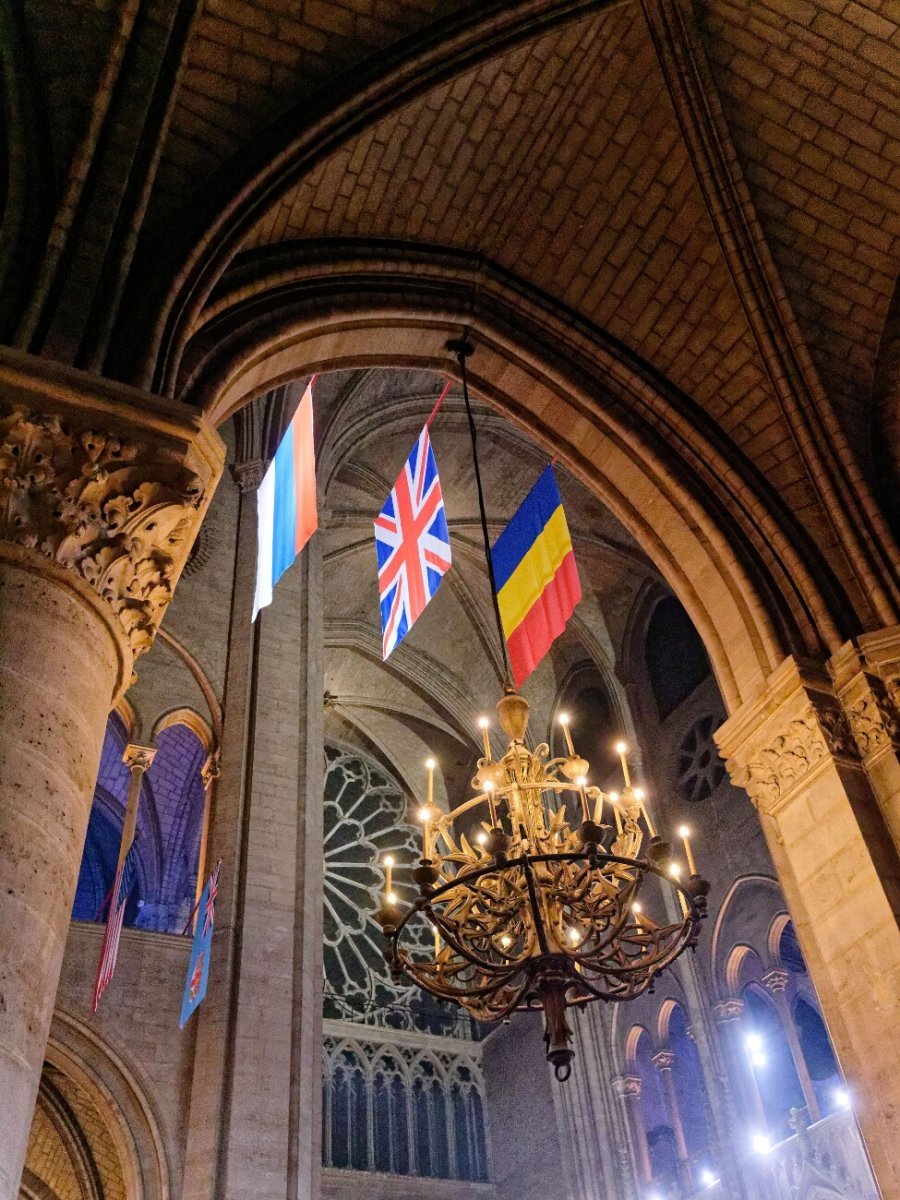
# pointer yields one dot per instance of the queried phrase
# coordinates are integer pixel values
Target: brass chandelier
(550, 905)
(553, 906)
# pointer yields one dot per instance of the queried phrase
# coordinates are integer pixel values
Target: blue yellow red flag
(198, 967)
(536, 576)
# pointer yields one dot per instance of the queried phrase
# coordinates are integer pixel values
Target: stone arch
(626, 435)
(190, 719)
(749, 906)
(108, 1112)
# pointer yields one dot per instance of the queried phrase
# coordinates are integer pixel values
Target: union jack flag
(209, 907)
(118, 899)
(413, 544)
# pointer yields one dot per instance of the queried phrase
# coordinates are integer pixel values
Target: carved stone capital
(776, 981)
(139, 757)
(211, 769)
(777, 744)
(626, 1086)
(731, 1009)
(106, 484)
(249, 475)
(664, 1060)
(874, 720)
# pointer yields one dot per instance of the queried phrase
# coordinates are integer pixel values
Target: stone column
(727, 1015)
(593, 1130)
(254, 1126)
(664, 1060)
(776, 982)
(628, 1089)
(102, 490)
(866, 675)
(831, 842)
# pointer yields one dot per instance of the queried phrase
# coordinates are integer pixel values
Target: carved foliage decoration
(102, 506)
(874, 721)
(780, 767)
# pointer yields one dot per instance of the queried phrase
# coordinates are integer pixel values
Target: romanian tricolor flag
(536, 577)
(286, 500)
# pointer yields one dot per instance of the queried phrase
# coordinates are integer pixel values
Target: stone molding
(663, 1060)
(106, 483)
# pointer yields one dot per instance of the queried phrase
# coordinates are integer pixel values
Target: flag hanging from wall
(198, 967)
(287, 515)
(118, 899)
(413, 544)
(536, 576)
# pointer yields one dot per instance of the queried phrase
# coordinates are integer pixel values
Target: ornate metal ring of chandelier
(543, 911)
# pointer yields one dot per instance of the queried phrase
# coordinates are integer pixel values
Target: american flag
(413, 544)
(121, 889)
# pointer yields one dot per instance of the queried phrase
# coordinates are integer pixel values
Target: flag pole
(463, 348)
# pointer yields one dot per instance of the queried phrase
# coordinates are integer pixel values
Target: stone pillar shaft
(664, 1060)
(57, 674)
(831, 841)
(628, 1088)
(102, 491)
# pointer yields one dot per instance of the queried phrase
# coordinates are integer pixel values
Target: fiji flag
(413, 544)
(198, 968)
(536, 577)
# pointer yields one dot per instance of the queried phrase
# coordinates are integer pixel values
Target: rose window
(366, 817)
(700, 769)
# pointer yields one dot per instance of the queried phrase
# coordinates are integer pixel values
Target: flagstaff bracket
(461, 347)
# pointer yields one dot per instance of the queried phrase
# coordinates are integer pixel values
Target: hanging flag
(413, 544)
(118, 898)
(139, 759)
(536, 577)
(198, 967)
(287, 516)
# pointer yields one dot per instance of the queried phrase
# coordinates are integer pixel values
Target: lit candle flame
(484, 725)
(685, 834)
(564, 721)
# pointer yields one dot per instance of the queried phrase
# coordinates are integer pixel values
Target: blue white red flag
(198, 967)
(413, 544)
(286, 503)
(118, 899)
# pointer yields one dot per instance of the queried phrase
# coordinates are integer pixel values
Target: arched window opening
(167, 839)
(593, 722)
(674, 654)
(690, 1089)
(655, 1113)
(771, 1063)
(401, 1112)
(818, 1056)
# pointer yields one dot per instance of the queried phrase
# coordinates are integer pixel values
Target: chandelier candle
(685, 834)
(567, 733)
(484, 725)
(540, 911)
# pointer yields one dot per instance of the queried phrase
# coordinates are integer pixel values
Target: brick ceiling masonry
(710, 190)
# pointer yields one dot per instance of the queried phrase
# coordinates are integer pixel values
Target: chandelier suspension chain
(462, 348)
